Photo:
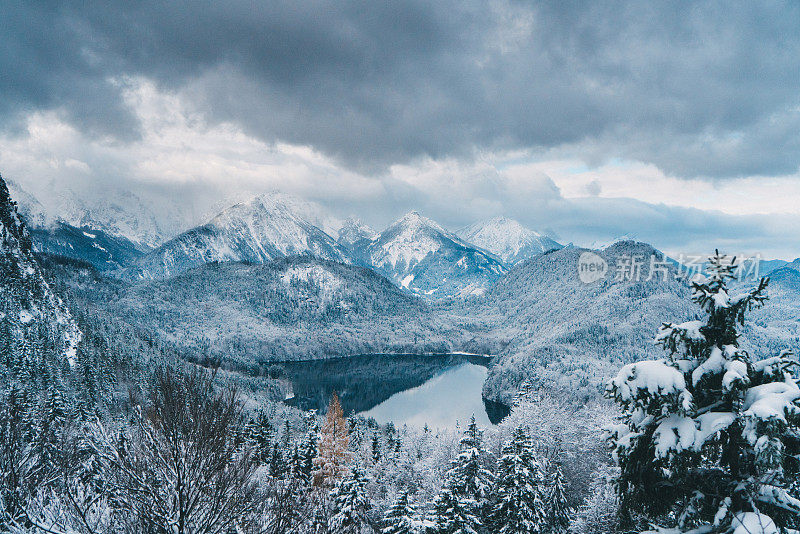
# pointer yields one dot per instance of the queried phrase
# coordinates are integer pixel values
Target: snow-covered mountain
(298, 307)
(105, 252)
(118, 213)
(507, 239)
(421, 256)
(354, 234)
(28, 307)
(794, 264)
(573, 334)
(266, 228)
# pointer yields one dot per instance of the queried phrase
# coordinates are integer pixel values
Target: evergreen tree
(351, 504)
(376, 448)
(277, 463)
(401, 518)
(463, 504)
(468, 479)
(519, 508)
(455, 515)
(708, 440)
(559, 513)
(295, 465)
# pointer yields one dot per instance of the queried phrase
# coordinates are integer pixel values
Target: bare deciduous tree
(180, 470)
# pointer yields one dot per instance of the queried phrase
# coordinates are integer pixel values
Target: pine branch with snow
(708, 440)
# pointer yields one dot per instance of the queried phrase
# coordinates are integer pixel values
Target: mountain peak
(421, 256)
(507, 239)
(263, 229)
(354, 231)
(414, 221)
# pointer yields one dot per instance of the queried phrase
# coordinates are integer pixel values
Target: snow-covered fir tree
(463, 505)
(351, 505)
(519, 507)
(401, 517)
(454, 515)
(469, 478)
(709, 437)
(559, 512)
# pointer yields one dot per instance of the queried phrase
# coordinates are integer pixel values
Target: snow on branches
(713, 435)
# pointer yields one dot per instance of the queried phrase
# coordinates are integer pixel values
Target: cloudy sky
(675, 123)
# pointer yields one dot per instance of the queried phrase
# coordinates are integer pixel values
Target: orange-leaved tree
(333, 455)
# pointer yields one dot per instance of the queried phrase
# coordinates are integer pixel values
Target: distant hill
(293, 308)
(103, 251)
(566, 334)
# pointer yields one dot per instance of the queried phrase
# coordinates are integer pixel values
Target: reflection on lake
(409, 389)
(453, 396)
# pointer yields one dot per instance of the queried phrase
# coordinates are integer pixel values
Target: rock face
(507, 239)
(268, 227)
(421, 256)
(29, 311)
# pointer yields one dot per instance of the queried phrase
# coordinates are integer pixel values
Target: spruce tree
(351, 504)
(454, 515)
(463, 504)
(401, 518)
(468, 478)
(519, 508)
(709, 436)
(376, 448)
(559, 512)
(277, 463)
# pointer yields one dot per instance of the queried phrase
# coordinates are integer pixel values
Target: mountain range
(252, 302)
(416, 253)
(267, 228)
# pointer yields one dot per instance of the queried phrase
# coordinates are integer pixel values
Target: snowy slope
(572, 335)
(794, 265)
(507, 239)
(116, 212)
(355, 234)
(268, 227)
(421, 256)
(27, 304)
(103, 251)
(298, 307)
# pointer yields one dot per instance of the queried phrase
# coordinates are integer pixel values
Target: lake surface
(453, 396)
(437, 390)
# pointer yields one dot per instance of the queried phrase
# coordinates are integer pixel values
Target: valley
(412, 338)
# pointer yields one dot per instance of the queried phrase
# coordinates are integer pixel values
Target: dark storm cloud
(709, 89)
